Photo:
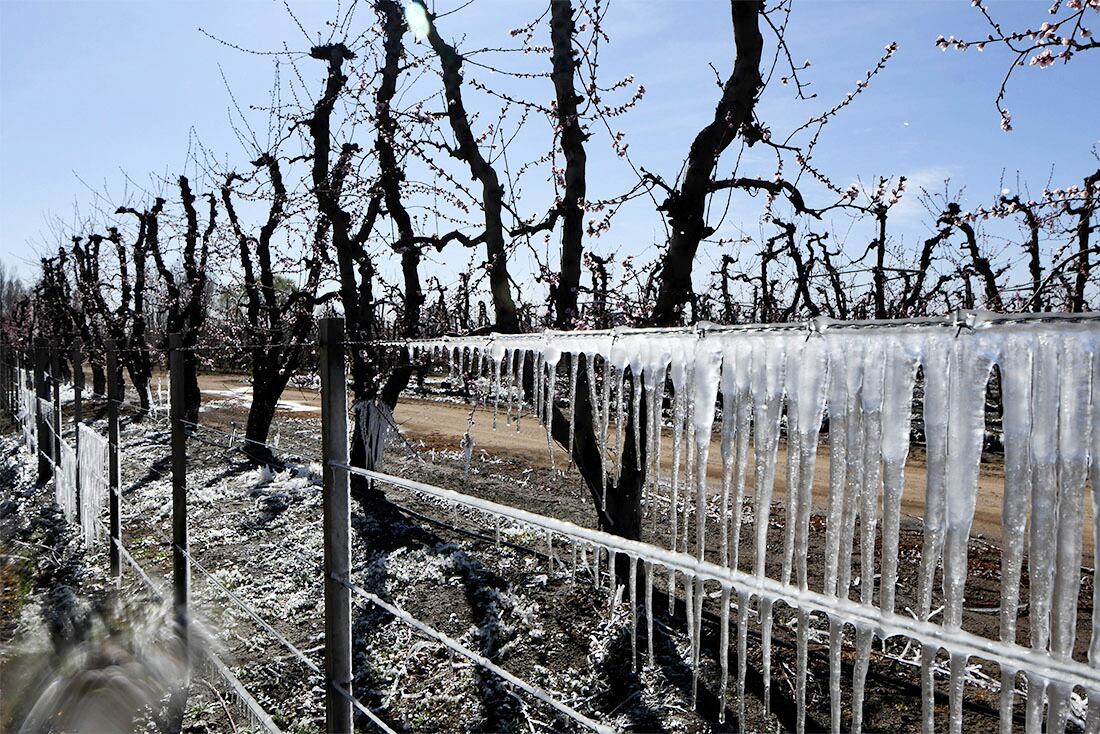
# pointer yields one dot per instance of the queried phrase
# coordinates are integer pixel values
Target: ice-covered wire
(889, 624)
(125, 555)
(248, 610)
(962, 319)
(477, 658)
(242, 693)
(362, 709)
(219, 665)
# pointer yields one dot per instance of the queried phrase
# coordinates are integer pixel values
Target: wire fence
(859, 378)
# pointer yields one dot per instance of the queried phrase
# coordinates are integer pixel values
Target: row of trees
(407, 129)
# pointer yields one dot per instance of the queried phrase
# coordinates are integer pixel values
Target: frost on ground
(257, 534)
(499, 590)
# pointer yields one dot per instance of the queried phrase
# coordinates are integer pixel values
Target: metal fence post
(41, 390)
(181, 566)
(55, 386)
(6, 404)
(114, 397)
(336, 502)
(78, 411)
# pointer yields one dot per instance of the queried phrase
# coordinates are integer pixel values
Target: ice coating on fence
(852, 387)
(65, 481)
(93, 468)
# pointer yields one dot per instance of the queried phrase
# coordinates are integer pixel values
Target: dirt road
(441, 425)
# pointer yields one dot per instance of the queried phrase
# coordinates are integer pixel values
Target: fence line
(860, 375)
(83, 466)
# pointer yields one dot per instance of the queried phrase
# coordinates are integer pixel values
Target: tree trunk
(140, 380)
(99, 378)
(267, 386)
(192, 397)
(623, 514)
(686, 207)
(572, 146)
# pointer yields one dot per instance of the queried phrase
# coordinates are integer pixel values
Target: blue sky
(92, 89)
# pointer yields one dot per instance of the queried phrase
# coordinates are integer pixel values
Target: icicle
(636, 406)
(495, 389)
(793, 451)
(723, 653)
(655, 399)
(689, 614)
(769, 363)
(689, 459)
(633, 613)
(935, 431)
(612, 580)
(966, 427)
(508, 383)
(605, 416)
(551, 356)
(741, 456)
(836, 639)
(1073, 446)
(729, 410)
(957, 666)
(1016, 371)
(853, 472)
(572, 401)
(620, 423)
(766, 622)
(649, 611)
(743, 600)
(518, 381)
(864, 637)
(93, 467)
(537, 394)
(801, 642)
(901, 372)
(596, 550)
(871, 397)
(838, 464)
(706, 376)
(1093, 716)
(653, 376)
(697, 612)
(573, 566)
(813, 373)
(1044, 499)
(65, 481)
(679, 376)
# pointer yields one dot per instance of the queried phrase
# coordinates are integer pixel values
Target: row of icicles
(861, 385)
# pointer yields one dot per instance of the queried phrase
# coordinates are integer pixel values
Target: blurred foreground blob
(123, 671)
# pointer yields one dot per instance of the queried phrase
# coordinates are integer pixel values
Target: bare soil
(441, 424)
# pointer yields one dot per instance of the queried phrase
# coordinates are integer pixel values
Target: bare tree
(186, 290)
(278, 325)
(685, 204)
